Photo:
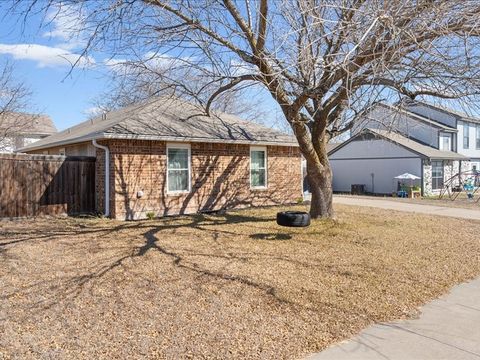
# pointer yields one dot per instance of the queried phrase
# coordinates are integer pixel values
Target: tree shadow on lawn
(69, 287)
(198, 221)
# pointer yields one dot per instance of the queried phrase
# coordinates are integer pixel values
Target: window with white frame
(178, 168)
(258, 167)
(437, 175)
(466, 135)
(445, 142)
(477, 137)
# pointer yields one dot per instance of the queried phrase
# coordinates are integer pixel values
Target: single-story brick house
(163, 158)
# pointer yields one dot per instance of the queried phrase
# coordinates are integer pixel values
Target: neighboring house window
(478, 137)
(61, 151)
(19, 142)
(258, 167)
(178, 168)
(445, 143)
(466, 137)
(437, 175)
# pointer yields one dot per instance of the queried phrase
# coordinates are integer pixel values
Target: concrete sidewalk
(408, 207)
(448, 328)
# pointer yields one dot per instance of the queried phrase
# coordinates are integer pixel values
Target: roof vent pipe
(107, 176)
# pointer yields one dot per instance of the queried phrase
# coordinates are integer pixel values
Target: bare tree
(322, 61)
(14, 97)
(130, 83)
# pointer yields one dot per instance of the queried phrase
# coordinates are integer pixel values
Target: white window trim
(442, 166)
(264, 149)
(477, 137)
(180, 146)
(440, 141)
(467, 127)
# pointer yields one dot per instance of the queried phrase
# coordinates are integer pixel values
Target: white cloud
(239, 68)
(93, 111)
(119, 66)
(155, 61)
(67, 24)
(114, 62)
(147, 63)
(45, 56)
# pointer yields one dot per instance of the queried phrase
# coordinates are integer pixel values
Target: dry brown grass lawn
(219, 286)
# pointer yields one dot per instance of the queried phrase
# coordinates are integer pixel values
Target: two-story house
(21, 129)
(466, 140)
(415, 138)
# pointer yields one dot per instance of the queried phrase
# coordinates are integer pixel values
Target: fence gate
(32, 185)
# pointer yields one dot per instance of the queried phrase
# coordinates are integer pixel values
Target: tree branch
(227, 87)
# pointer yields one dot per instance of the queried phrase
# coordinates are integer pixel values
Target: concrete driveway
(408, 207)
(448, 328)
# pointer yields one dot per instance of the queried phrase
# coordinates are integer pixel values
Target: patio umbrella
(407, 176)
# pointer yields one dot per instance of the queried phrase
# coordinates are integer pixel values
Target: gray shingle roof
(415, 116)
(458, 115)
(167, 120)
(412, 145)
(26, 124)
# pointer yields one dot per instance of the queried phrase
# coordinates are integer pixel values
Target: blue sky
(42, 51)
(41, 59)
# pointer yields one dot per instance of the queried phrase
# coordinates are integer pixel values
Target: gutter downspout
(107, 175)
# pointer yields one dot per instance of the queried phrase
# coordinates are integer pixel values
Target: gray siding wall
(357, 161)
(359, 171)
(472, 151)
(377, 148)
(430, 113)
(388, 119)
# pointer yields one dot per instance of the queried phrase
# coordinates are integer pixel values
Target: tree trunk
(313, 146)
(320, 181)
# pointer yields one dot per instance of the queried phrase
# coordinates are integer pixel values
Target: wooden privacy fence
(32, 185)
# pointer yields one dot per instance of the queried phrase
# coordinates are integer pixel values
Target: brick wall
(220, 178)
(79, 149)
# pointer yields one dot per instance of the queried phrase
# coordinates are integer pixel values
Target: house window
(445, 142)
(178, 168)
(19, 142)
(258, 167)
(477, 137)
(466, 138)
(437, 175)
(61, 151)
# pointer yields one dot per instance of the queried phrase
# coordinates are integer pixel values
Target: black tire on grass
(293, 218)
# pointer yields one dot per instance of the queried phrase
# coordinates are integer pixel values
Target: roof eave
(34, 147)
(447, 158)
(105, 136)
(195, 140)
